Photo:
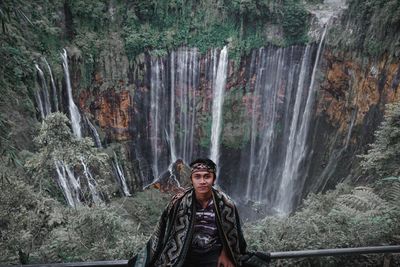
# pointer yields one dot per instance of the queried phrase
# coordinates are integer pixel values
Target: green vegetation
(165, 25)
(235, 135)
(37, 229)
(345, 217)
(370, 27)
(294, 22)
(383, 157)
(37, 226)
(56, 142)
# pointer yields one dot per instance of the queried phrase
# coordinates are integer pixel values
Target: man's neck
(203, 199)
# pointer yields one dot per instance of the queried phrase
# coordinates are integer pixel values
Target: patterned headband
(201, 167)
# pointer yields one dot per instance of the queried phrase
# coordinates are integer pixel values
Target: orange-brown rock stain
(114, 113)
(111, 111)
(351, 86)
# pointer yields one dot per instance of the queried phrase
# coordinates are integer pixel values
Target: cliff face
(159, 106)
(349, 104)
(353, 85)
(111, 110)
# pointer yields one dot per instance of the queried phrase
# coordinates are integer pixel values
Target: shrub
(382, 158)
(344, 217)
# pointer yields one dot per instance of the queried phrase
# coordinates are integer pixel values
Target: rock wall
(351, 95)
(350, 106)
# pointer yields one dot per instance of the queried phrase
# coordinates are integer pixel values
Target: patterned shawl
(170, 241)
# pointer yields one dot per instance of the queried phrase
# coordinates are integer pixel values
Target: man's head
(203, 175)
(203, 165)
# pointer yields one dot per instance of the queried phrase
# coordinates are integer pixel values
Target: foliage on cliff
(383, 157)
(371, 27)
(56, 142)
(29, 29)
(37, 229)
(244, 24)
(35, 223)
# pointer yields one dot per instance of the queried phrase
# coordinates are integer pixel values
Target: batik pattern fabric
(170, 241)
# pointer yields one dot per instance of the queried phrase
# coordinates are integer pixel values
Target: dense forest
(356, 204)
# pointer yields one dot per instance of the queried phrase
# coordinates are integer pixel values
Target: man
(199, 227)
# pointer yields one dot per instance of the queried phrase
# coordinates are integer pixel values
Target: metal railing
(273, 255)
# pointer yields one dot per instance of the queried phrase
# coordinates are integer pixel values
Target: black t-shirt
(205, 236)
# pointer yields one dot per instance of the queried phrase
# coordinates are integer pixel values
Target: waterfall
(120, 176)
(69, 185)
(157, 88)
(92, 184)
(173, 107)
(171, 136)
(184, 82)
(40, 104)
(218, 102)
(42, 96)
(280, 100)
(335, 157)
(73, 109)
(95, 134)
(264, 109)
(297, 150)
(53, 87)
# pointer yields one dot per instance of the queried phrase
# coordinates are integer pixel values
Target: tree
(383, 158)
(61, 153)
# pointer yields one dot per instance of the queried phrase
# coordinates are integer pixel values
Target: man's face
(202, 181)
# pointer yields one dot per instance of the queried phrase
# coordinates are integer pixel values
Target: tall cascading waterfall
(218, 102)
(68, 183)
(53, 87)
(172, 118)
(42, 95)
(174, 81)
(73, 109)
(71, 186)
(158, 98)
(119, 174)
(270, 72)
(279, 110)
(94, 132)
(91, 182)
(296, 144)
(185, 67)
(291, 183)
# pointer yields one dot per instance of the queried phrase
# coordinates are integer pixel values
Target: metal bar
(334, 252)
(117, 263)
(273, 255)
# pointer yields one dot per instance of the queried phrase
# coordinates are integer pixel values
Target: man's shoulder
(179, 196)
(221, 195)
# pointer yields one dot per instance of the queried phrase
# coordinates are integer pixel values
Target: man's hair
(211, 166)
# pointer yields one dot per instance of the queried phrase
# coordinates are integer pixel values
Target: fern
(393, 195)
(362, 200)
(344, 217)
